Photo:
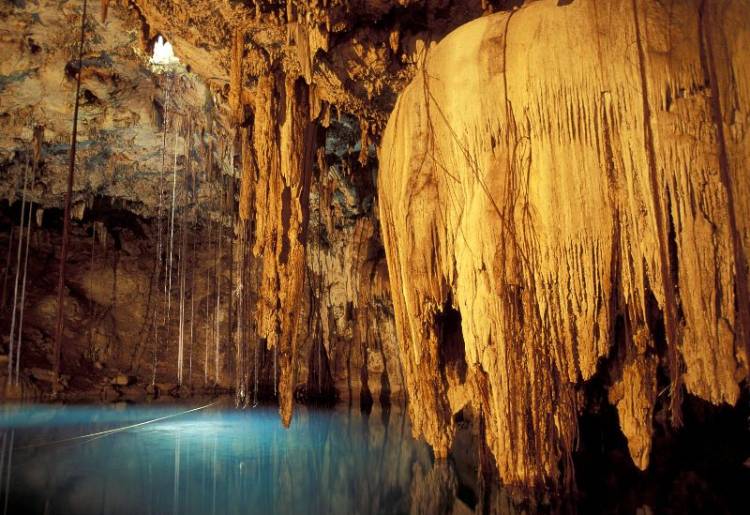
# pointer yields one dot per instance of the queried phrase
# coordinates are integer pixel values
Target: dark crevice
(451, 350)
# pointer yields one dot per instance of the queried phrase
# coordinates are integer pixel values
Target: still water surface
(215, 460)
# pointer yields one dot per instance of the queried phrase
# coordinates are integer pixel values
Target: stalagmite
(559, 195)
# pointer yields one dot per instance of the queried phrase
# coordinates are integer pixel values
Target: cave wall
(352, 314)
(125, 104)
(111, 303)
(568, 184)
(246, 136)
(143, 133)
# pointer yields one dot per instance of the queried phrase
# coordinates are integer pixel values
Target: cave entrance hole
(163, 59)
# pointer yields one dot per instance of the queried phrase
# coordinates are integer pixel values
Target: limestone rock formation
(350, 295)
(563, 195)
(237, 144)
(124, 105)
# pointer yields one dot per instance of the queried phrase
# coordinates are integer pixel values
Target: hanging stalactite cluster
(535, 251)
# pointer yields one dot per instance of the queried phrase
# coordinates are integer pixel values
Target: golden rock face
(572, 180)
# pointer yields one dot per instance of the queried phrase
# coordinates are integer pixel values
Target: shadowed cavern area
(445, 256)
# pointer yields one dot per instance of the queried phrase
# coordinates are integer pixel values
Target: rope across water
(101, 434)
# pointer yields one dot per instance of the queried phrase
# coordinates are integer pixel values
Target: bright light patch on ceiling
(163, 53)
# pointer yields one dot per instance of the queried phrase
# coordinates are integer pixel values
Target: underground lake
(215, 460)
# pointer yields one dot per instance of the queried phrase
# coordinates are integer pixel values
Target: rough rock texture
(284, 158)
(142, 135)
(563, 196)
(237, 146)
(357, 54)
(123, 108)
(564, 187)
(352, 314)
(111, 301)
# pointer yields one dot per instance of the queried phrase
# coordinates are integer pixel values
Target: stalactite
(66, 212)
(247, 178)
(631, 284)
(241, 387)
(235, 77)
(105, 10)
(282, 202)
(319, 384)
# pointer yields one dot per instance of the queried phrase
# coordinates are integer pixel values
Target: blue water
(213, 461)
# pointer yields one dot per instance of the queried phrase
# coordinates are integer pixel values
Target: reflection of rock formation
(567, 184)
(433, 490)
(223, 462)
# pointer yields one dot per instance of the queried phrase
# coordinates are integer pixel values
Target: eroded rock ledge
(563, 195)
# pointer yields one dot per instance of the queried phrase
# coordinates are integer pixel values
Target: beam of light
(163, 53)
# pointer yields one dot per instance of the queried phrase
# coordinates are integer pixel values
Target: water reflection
(216, 461)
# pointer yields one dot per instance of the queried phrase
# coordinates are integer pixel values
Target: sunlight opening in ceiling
(164, 54)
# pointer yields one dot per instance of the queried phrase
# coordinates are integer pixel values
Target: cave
(447, 256)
